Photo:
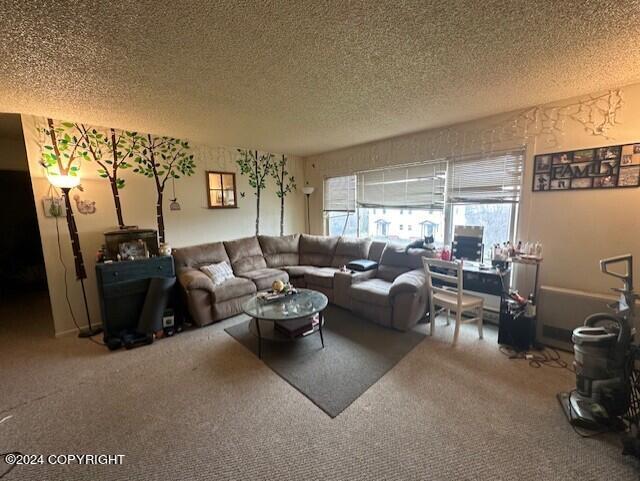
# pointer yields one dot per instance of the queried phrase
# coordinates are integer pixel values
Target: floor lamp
(307, 191)
(66, 183)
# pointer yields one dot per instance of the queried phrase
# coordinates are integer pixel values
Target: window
(340, 206)
(340, 194)
(221, 190)
(484, 190)
(406, 203)
(420, 186)
(382, 228)
(497, 220)
(342, 223)
(495, 178)
(387, 226)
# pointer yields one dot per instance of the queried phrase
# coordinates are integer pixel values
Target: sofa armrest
(342, 282)
(362, 276)
(191, 279)
(409, 282)
(346, 279)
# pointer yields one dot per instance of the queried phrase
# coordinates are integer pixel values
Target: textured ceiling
(307, 76)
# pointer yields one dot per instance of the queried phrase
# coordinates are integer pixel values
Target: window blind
(492, 178)
(419, 186)
(340, 194)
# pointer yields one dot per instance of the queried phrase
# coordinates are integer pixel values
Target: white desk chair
(451, 298)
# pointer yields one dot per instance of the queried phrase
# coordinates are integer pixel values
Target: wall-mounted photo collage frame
(613, 166)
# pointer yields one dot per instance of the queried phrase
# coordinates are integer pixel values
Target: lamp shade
(307, 190)
(64, 181)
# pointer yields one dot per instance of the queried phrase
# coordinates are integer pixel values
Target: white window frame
(447, 213)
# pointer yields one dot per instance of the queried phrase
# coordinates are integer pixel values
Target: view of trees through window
(496, 219)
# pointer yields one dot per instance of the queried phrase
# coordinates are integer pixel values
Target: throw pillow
(218, 272)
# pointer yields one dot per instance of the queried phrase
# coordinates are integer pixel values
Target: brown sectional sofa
(393, 295)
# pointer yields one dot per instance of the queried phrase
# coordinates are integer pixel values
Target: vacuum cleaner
(604, 357)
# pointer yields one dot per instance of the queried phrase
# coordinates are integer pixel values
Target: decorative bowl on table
(279, 290)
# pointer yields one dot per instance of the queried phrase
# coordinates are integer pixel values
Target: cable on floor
(546, 356)
(66, 285)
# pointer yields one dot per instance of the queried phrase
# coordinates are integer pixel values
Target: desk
(490, 280)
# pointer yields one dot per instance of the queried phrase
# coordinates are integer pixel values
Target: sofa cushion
(373, 291)
(191, 279)
(409, 283)
(317, 250)
(321, 276)
(348, 249)
(375, 250)
(199, 255)
(280, 250)
(233, 288)
(218, 272)
(389, 273)
(263, 278)
(362, 265)
(245, 255)
(396, 261)
(297, 271)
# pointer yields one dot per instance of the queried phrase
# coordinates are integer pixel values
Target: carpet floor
(201, 406)
(356, 355)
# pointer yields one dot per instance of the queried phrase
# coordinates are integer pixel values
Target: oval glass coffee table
(288, 312)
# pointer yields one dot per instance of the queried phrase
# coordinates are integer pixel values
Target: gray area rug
(357, 354)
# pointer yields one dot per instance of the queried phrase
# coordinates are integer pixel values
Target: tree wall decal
(161, 159)
(256, 167)
(111, 151)
(62, 155)
(284, 182)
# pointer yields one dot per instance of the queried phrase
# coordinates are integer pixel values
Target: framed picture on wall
(629, 176)
(609, 167)
(221, 190)
(543, 163)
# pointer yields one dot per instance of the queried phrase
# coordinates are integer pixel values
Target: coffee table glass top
(303, 304)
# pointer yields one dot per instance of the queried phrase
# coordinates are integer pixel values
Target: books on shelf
(297, 327)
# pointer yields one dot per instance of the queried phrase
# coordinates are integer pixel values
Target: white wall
(576, 228)
(193, 224)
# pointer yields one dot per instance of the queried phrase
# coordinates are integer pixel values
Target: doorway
(23, 280)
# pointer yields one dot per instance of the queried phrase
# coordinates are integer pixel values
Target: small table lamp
(307, 190)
